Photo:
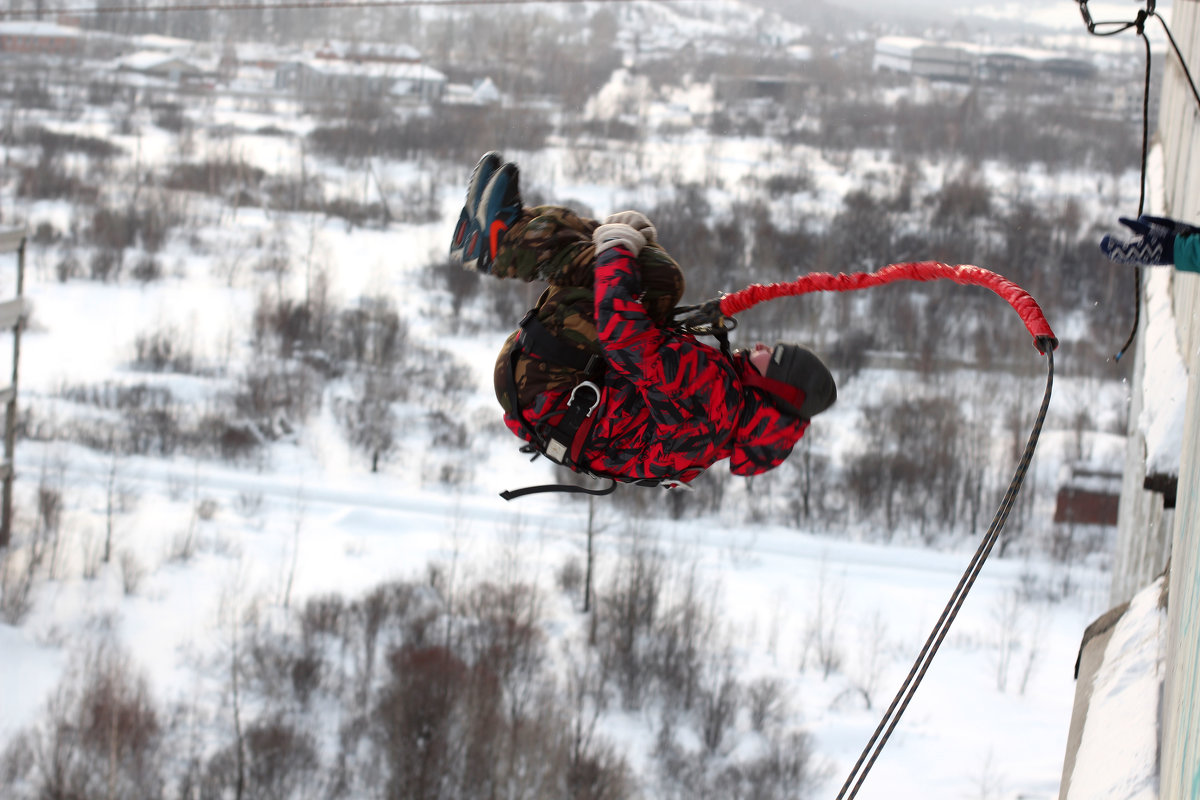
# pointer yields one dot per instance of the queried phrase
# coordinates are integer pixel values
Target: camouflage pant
(554, 244)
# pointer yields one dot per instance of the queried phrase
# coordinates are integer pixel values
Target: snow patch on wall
(1118, 754)
(1165, 397)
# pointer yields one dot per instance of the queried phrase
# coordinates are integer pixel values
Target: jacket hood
(765, 433)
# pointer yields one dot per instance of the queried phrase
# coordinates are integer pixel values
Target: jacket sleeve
(634, 346)
(1187, 252)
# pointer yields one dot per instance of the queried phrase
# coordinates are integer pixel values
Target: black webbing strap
(564, 441)
(566, 488)
(514, 398)
(537, 341)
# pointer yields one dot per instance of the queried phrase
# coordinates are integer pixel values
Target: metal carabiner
(1112, 28)
(594, 388)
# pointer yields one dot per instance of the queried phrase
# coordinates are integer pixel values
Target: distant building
(1005, 63)
(165, 44)
(963, 61)
(253, 55)
(361, 53)
(326, 79)
(482, 92)
(1089, 497)
(45, 38)
(923, 58)
(780, 88)
(161, 65)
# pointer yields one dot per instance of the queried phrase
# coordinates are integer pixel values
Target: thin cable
(1111, 29)
(1137, 272)
(925, 658)
(289, 5)
(1178, 55)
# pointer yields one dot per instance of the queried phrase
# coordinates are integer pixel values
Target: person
(661, 406)
(1157, 241)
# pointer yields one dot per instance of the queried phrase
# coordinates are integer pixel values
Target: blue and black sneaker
(467, 244)
(499, 208)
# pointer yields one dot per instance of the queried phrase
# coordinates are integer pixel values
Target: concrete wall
(1144, 530)
(1179, 129)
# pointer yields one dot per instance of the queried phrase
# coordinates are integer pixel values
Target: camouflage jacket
(671, 406)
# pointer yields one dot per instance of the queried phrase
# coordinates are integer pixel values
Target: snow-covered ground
(990, 720)
(320, 522)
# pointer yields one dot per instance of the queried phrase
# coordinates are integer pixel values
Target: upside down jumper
(671, 406)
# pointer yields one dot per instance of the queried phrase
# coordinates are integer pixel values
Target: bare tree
(720, 699)
(823, 629)
(767, 704)
(867, 667)
(590, 569)
(119, 497)
(299, 512)
(1007, 615)
(103, 734)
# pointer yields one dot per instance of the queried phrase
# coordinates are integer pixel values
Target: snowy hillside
(204, 545)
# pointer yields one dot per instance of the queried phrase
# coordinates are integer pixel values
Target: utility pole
(12, 318)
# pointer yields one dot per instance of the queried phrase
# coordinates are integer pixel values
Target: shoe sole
(480, 176)
(489, 206)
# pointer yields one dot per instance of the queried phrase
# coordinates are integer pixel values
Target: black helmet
(800, 368)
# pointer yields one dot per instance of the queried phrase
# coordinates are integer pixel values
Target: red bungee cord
(716, 318)
(968, 274)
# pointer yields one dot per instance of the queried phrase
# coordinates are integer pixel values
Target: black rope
(900, 703)
(277, 5)
(1179, 56)
(1112, 29)
(1137, 272)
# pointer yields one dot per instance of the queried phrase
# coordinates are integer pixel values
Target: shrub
(213, 177)
(54, 143)
(170, 117)
(105, 265)
(273, 762)
(50, 180)
(423, 729)
(68, 267)
(102, 736)
(163, 350)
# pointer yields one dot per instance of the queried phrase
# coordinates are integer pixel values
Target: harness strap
(567, 488)
(563, 443)
(537, 340)
(514, 398)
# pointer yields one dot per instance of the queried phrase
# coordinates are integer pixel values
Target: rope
(719, 317)
(909, 688)
(966, 274)
(1137, 272)
(278, 5)
(1112, 29)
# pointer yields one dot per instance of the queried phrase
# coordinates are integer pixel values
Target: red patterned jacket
(671, 405)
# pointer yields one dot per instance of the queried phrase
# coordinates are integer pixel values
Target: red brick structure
(41, 38)
(1086, 507)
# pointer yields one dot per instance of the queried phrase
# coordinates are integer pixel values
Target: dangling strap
(567, 488)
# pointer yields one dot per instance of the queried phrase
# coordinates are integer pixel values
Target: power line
(286, 5)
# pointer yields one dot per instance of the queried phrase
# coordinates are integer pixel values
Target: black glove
(1153, 244)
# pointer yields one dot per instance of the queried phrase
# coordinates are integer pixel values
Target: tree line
(429, 689)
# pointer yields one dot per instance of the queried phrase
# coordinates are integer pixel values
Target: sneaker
(499, 208)
(466, 245)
